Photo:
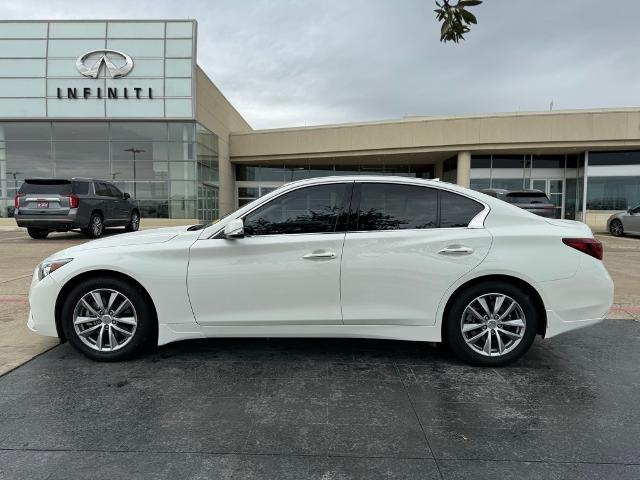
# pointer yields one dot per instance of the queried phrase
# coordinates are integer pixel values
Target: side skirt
(168, 333)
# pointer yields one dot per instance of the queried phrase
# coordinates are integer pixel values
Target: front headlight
(49, 266)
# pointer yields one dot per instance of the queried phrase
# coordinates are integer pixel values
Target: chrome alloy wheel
(616, 228)
(96, 225)
(135, 221)
(493, 324)
(105, 320)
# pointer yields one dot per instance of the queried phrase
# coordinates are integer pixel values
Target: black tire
(145, 335)
(96, 227)
(37, 233)
(454, 322)
(134, 222)
(616, 228)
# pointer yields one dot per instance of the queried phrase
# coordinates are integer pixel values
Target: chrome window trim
(476, 222)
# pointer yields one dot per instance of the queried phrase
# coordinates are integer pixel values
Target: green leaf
(469, 17)
(468, 3)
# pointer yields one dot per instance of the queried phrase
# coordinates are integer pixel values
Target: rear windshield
(526, 197)
(54, 187)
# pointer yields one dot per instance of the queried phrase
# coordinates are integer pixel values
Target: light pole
(134, 151)
(15, 180)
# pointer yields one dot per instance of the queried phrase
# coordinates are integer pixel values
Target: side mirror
(126, 196)
(234, 229)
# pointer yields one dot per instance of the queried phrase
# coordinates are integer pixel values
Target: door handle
(456, 250)
(319, 254)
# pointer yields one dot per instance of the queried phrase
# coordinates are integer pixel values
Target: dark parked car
(534, 201)
(48, 205)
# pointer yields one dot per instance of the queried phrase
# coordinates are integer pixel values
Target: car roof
(505, 191)
(72, 179)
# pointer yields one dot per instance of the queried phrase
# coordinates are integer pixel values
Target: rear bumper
(579, 301)
(52, 222)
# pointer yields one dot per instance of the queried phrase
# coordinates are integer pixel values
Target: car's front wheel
(491, 324)
(107, 319)
(37, 233)
(616, 228)
(134, 222)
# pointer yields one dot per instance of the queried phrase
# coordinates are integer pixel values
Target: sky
(287, 63)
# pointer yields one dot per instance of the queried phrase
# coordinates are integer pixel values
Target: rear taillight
(16, 201)
(590, 246)
(73, 200)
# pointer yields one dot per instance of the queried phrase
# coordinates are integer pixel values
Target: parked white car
(375, 257)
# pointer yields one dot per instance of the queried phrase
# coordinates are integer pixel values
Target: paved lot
(322, 409)
(325, 409)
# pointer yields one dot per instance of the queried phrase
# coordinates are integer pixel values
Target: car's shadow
(78, 235)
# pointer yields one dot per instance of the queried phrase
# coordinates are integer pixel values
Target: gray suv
(47, 205)
(534, 201)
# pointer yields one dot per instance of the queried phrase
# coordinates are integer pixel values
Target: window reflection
(306, 210)
(104, 150)
(396, 207)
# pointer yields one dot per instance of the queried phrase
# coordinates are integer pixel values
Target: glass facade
(613, 178)
(556, 175)
(255, 181)
(171, 168)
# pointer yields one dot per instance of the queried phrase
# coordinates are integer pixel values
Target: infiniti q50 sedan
(375, 257)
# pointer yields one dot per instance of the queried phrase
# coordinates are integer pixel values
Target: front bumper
(42, 302)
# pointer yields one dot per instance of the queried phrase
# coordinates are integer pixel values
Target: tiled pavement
(328, 409)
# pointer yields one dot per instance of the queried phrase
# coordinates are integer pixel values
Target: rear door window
(456, 210)
(389, 206)
(102, 189)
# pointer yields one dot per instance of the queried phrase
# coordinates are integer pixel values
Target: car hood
(155, 235)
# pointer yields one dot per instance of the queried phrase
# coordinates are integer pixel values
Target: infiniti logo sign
(109, 60)
(117, 64)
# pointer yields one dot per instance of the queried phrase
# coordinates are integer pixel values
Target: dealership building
(127, 101)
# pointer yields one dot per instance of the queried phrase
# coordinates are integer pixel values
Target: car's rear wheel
(134, 223)
(491, 324)
(96, 227)
(108, 319)
(37, 233)
(616, 228)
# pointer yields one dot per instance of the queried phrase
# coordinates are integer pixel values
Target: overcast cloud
(290, 63)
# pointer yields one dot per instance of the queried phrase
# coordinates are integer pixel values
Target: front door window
(306, 210)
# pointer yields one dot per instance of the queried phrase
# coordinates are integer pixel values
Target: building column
(438, 170)
(226, 181)
(464, 169)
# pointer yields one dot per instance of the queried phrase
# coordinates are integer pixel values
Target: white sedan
(375, 257)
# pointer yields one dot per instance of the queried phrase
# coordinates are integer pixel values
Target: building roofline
(418, 119)
(85, 20)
